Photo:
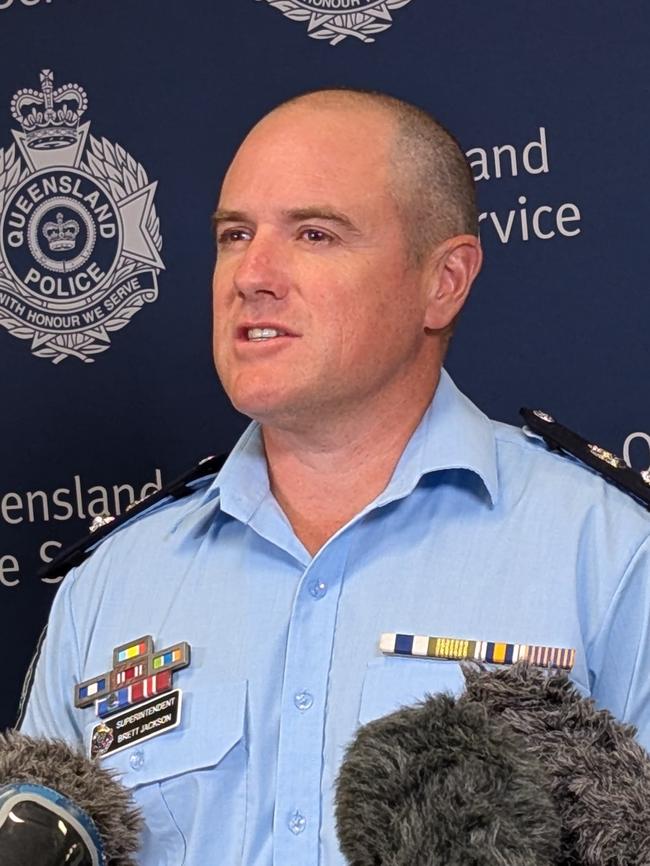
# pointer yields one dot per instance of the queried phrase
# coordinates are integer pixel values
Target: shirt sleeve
(48, 700)
(620, 659)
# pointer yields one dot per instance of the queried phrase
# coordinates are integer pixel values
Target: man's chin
(286, 414)
(266, 408)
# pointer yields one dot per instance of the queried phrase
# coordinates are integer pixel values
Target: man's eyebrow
(229, 216)
(323, 212)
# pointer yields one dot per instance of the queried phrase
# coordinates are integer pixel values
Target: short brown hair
(432, 182)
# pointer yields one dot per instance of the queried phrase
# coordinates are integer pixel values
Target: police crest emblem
(79, 236)
(335, 20)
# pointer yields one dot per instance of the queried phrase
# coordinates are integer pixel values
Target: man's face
(311, 249)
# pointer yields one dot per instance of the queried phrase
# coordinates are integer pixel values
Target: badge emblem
(101, 740)
(138, 673)
(79, 237)
(335, 20)
(607, 457)
(544, 416)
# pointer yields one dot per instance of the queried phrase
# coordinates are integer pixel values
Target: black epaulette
(613, 469)
(106, 523)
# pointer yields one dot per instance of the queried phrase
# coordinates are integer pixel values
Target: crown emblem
(49, 118)
(61, 235)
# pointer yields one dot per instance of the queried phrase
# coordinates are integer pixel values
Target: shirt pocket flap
(212, 724)
(393, 682)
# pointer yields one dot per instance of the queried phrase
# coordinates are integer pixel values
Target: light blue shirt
(481, 533)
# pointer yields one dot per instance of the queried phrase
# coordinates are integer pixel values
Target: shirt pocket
(394, 682)
(192, 780)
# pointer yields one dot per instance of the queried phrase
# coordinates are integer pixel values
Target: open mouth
(256, 335)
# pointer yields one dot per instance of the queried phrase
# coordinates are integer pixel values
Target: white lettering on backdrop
(526, 219)
(76, 501)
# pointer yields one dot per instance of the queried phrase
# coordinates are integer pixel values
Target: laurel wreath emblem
(337, 26)
(111, 166)
(123, 174)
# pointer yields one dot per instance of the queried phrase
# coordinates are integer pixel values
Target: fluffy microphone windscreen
(443, 784)
(53, 764)
(598, 774)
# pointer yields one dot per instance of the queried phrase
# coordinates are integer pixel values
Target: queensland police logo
(79, 236)
(335, 20)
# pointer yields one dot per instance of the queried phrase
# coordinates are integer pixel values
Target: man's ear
(454, 265)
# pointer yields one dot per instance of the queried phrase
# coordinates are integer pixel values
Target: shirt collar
(453, 434)
(243, 481)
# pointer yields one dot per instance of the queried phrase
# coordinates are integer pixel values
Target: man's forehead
(316, 146)
(321, 131)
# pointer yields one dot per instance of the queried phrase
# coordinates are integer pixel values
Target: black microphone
(59, 808)
(520, 770)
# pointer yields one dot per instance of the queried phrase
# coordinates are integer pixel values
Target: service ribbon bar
(128, 696)
(460, 649)
(139, 673)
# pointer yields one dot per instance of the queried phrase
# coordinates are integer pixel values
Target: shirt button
(137, 759)
(318, 589)
(303, 700)
(297, 822)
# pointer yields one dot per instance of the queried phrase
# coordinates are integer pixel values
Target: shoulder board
(106, 524)
(613, 468)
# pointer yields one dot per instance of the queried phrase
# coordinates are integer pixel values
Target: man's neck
(323, 477)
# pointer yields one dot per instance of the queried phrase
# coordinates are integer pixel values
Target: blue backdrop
(106, 252)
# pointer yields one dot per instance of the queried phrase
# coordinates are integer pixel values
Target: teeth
(264, 333)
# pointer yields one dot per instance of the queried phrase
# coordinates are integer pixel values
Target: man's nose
(262, 269)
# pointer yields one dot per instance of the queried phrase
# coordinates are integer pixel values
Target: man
(370, 498)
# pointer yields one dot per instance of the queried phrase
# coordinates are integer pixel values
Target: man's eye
(231, 236)
(316, 236)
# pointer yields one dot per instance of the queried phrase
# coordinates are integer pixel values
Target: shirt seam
(74, 627)
(615, 596)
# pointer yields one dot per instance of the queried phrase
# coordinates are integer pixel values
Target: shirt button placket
(300, 753)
